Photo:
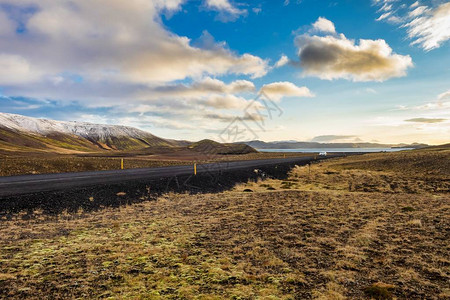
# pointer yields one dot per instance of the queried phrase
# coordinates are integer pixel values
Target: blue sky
(339, 70)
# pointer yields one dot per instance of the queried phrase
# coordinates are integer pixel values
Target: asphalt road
(27, 184)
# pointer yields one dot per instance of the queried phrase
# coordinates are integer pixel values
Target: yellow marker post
(121, 164)
(195, 169)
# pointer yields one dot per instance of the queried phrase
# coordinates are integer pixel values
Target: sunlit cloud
(335, 56)
(323, 25)
(70, 37)
(282, 61)
(278, 90)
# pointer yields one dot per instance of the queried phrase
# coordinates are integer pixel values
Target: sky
(231, 70)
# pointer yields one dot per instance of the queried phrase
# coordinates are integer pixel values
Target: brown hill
(212, 147)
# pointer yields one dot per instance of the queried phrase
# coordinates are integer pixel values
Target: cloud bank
(110, 40)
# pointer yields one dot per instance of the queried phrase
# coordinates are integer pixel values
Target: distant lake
(338, 150)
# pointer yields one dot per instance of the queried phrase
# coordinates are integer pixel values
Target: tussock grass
(318, 239)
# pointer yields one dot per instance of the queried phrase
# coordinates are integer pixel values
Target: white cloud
(438, 105)
(117, 42)
(335, 56)
(430, 28)
(384, 16)
(415, 4)
(278, 90)
(426, 25)
(282, 61)
(324, 25)
(444, 95)
(228, 12)
(14, 69)
(418, 11)
(257, 10)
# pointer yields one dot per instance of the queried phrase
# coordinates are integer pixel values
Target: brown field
(367, 227)
(33, 163)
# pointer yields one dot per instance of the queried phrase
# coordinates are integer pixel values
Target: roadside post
(195, 168)
(121, 163)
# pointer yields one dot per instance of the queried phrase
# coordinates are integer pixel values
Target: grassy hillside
(343, 229)
(212, 147)
(12, 141)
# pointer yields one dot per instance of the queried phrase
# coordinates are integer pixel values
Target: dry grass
(41, 164)
(311, 236)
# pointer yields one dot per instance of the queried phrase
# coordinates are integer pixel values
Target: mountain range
(317, 145)
(26, 134)
(21, 133)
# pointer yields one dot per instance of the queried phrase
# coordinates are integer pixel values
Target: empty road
(27, 184)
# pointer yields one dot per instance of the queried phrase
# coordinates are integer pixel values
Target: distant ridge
(311, 145)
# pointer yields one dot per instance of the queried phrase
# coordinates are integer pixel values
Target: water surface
(336, 150)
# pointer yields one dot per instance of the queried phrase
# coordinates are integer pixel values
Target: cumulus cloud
(324, 25)
(426, 25)
(335, 56)
(227, 11)
(278, 90)
(80, 37)
(426, 120)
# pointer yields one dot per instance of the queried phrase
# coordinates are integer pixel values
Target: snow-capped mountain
(82, 129)
(99, 136)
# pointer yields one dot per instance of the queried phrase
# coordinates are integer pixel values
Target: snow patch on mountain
(82, 129)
